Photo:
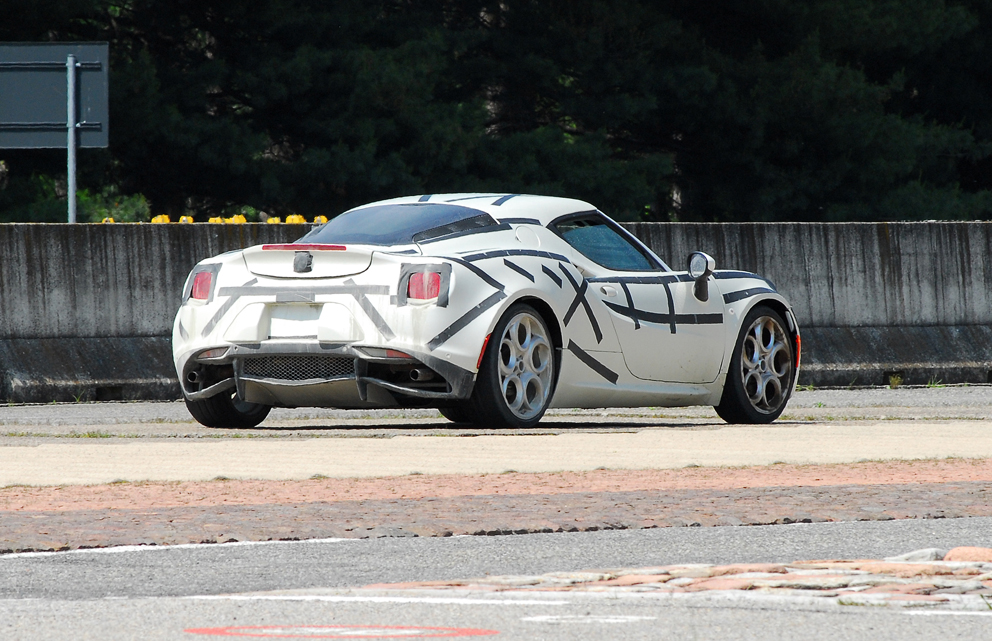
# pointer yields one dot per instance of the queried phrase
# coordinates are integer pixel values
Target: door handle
(607, 290)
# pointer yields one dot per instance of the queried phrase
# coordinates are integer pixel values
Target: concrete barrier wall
(86, 310)
(851, 274)
(873, 299)
(108, 280)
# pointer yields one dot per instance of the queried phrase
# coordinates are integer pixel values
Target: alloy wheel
(766, 364)
(526, 365)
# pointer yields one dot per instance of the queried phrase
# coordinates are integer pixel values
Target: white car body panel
(614, 350)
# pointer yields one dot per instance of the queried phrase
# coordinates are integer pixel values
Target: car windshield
(398, 224)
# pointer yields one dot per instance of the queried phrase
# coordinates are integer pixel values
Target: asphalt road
(171, 420)
(150, 593)
(271, 589)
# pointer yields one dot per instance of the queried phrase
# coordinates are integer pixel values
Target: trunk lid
(302, 260)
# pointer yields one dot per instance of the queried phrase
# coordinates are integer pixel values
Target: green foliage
(108, 203)
(758, 110)
(250, 213)
(32, 198)
(42, 199)
(794, 116)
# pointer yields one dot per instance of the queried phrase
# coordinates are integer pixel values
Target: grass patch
(874, 604)
(72, 434)
(935, 382)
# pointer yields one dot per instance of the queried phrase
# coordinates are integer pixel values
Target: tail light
(201, 285)
(424, 286)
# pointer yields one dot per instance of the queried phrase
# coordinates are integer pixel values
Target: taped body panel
(467, 318)
(733, 297)
(593, 364)
(503, 253)
(667, 319)
(580, 299)
(520, 270)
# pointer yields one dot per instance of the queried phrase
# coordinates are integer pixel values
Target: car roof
(543, 209)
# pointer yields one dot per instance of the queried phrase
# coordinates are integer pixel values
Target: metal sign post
(40, 109)
(70, 125)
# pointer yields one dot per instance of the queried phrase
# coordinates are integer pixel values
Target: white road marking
(336, 598)
(588, 618)
(121, 549)
(934, 613)
(340, 631)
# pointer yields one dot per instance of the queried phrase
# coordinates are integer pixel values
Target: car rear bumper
(317, 374)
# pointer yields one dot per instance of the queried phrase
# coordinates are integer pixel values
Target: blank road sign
(33, 81)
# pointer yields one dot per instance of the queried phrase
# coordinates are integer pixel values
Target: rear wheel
(456, 414)
(762, 370)
(517, 375)
(227, 410)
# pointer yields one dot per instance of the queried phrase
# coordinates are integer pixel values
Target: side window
(595, 239)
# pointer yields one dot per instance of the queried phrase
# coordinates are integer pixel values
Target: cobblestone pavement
(170, 513)
(959, 579)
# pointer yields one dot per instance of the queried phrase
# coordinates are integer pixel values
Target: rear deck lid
(307, 260)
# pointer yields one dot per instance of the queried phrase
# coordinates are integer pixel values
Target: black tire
(532, 378)
(456, 414)
(762, 370)
(227, 410)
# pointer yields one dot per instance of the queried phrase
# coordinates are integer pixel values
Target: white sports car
(490, 307)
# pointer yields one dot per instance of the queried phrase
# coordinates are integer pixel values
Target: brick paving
(550, 509)
(960, 578)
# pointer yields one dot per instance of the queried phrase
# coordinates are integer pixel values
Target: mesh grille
(299, 368)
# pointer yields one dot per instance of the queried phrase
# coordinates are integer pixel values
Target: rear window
(399, 224)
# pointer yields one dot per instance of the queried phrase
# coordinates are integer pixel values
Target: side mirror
(701, 266)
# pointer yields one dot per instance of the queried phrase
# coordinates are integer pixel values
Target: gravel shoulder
(170, 420)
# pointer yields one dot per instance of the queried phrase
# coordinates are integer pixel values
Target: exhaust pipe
(193, 377)
(421, 374)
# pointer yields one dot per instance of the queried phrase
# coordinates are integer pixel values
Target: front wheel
(762, 370)
(517, 375)
(227, 410)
